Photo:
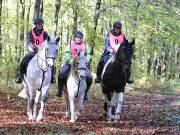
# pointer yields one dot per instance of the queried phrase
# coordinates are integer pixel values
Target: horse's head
(80, 65)
(125, 51)
(51, 50)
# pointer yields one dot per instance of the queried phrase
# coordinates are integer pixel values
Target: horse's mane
(74, 65)
(44, 44)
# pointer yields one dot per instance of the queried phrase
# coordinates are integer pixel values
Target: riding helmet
(78, 34)
(117, 24)
(38, 20)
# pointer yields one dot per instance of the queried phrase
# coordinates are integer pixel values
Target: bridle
(45, 60)
(79, 79)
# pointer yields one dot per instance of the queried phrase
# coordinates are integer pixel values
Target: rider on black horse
(35, 39)
(112, 42)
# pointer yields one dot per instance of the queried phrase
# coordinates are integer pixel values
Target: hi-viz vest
(38, 40)
(75, 48)
(115, 42)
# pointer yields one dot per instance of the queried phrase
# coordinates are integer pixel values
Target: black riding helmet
(78, 34)
(38, 20)
(117, 24)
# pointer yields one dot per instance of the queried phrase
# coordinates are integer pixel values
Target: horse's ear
(57, 39)
(48, 38)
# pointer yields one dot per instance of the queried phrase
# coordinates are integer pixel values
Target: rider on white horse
(35, 39)
(76, 45)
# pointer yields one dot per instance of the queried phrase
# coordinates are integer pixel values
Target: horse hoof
(30, 119)
(109, 121)
(116, 120)
(34, 117)
(72, 121)
(39, 119)
(117, 117)
(65, 117)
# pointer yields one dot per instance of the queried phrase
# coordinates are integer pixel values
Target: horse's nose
(50, 63)
(82, 77)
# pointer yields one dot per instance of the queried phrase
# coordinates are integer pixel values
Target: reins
(79, 82)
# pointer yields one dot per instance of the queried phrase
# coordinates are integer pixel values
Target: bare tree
(95, 23)
(37, 8)
(56, 14)
(41, 8)
(0, 31)
(75, 15)
(22, 15)
(28, 15)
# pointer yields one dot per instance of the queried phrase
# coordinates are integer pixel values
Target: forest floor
(142, 114)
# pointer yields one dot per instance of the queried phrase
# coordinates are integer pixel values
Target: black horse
(114, 80)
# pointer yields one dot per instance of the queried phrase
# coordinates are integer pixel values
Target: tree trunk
(28, 15)
(22, 14)
(17, 34)
(56, 14)
(41, 8)
(75, 16)
(27, 23)
(95, 23)
(0, 32)
(37, 9)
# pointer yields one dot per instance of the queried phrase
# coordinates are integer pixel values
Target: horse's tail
(38, 94)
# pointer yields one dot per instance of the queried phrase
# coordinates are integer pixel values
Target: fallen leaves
(142, 114)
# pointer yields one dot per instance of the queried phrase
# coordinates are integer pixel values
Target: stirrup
(97, 80)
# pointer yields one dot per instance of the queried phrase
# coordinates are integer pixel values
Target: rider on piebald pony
(113, 40)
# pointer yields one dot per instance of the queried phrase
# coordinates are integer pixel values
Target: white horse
(37, 79)
(75, 88)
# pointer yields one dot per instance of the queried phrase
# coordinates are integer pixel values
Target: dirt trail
(142, 114)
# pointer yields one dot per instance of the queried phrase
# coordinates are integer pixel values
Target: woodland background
(153, 23)
(152, 103)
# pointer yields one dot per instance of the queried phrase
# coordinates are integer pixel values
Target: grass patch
(155, 86)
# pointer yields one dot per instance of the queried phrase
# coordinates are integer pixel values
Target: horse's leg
(30, 103)
(108, 97)
(81, 100)
(119, 105)
(72, 108)
(38, 94)
(66, 102)
(44, 97)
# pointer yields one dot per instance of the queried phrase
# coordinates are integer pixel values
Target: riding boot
(129, 80)
(98, 74)
(23, 66)
(87, 89)
(60, 86)
(53, 72)
(20, 76)
(19, 79)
